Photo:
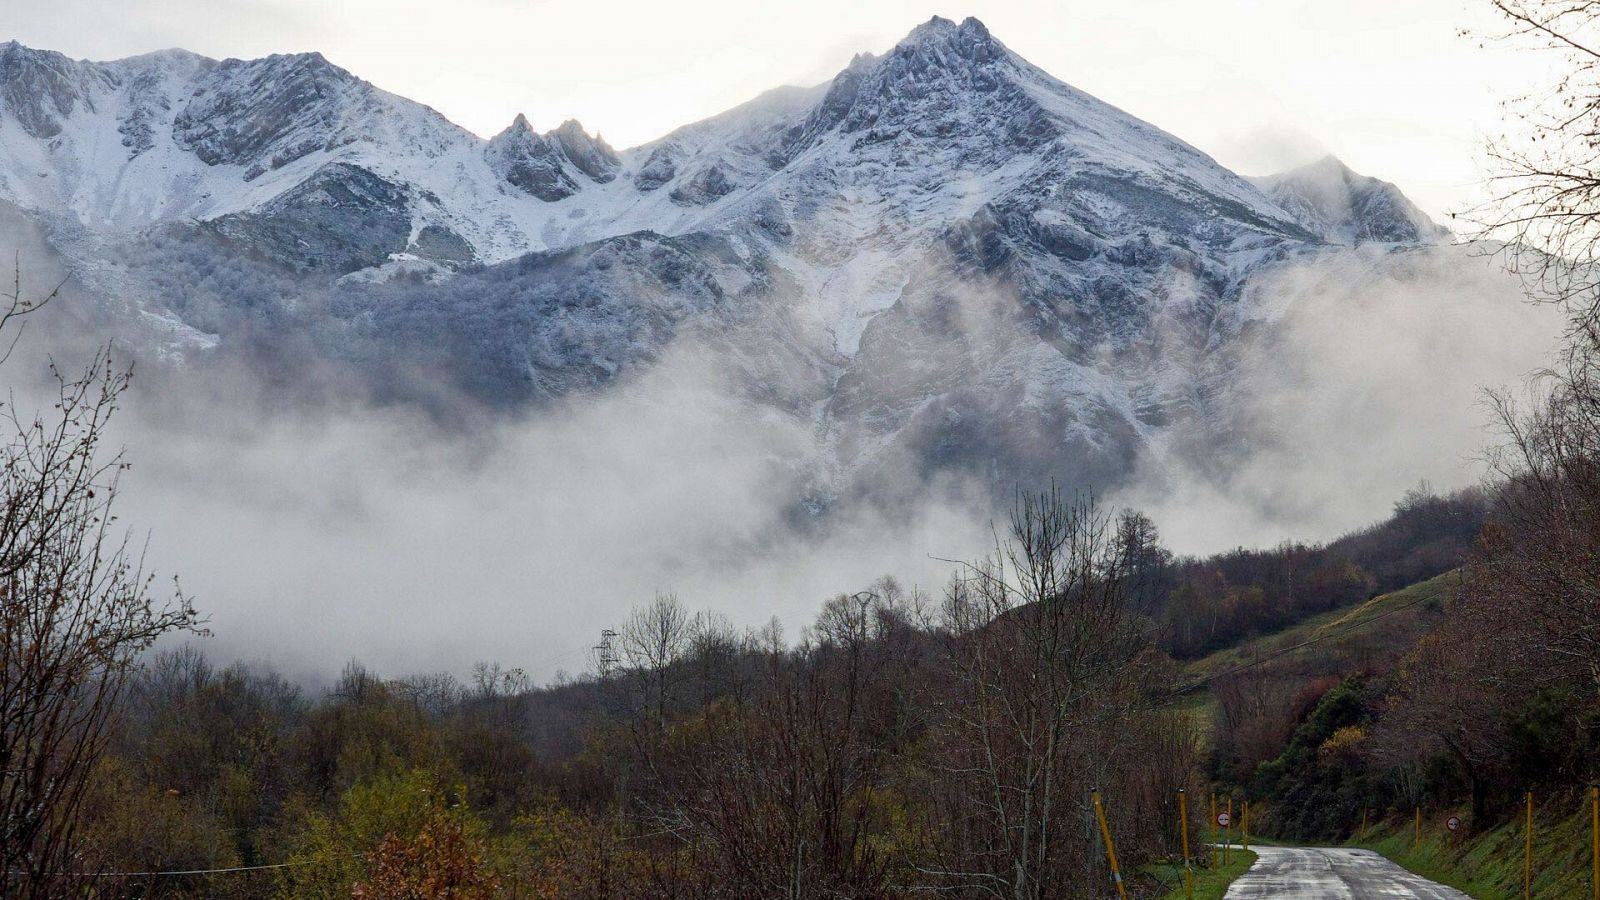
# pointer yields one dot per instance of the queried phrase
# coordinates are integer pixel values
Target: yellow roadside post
(1227, 831)
(1214, 829)
(1188, 871)
(1416, 832)
(1594, 839)
(1527, 852)
(1111, 849)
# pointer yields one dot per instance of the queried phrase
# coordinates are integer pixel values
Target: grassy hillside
(1335, 639)
(1371, 636)
(1488, 866)
(1366, 635)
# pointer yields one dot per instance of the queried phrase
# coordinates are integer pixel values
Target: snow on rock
(1344, 207)
(550, 166)
(944, 256)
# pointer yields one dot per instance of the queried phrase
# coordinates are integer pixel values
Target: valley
(924, 479)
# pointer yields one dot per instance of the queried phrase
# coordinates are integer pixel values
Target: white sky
(1389, 86)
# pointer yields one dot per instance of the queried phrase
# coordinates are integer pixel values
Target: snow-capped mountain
(944, 258)
(1344, 207)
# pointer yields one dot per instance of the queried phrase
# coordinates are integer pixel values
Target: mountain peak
(543, 165)
(940, 28)
(266, 113)
(41, 88)
(306, 58)
(1346, 207)
(936, 69)
(169, 54)
(1328, 166)
(949, 43)
(590, 154)
(936, 25)
(17, 48)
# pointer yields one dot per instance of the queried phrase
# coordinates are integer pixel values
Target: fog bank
(1372, 380)
(327, 528)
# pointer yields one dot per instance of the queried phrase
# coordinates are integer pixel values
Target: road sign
(1453, 823)
(1224, 820)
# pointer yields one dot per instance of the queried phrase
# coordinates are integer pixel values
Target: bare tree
(76, 612)
(1538, 568)
(1052, 674)
(1546, 176)
(654, 641)
(1443, 699)
(1526, 618)
(774, 785)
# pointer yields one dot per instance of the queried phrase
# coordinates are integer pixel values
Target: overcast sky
(1390, 87)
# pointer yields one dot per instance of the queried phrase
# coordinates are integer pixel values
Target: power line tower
(605, 653)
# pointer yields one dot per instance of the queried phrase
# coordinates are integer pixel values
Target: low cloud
(1269, 149)
(317, 535)
(1372, 380)
(313, 531)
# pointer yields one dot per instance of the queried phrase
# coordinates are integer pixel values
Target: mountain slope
(1344, 207)
(944, 259)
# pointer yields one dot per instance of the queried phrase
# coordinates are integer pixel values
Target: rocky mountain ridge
(944, 259)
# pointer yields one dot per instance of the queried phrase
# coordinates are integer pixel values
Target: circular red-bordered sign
(1453, 823)
(1224, 820)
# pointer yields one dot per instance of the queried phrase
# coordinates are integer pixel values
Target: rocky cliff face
(944, 258)
(550, 166)
(41, 88)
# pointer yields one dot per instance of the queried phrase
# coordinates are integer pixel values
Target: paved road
(1296, 873)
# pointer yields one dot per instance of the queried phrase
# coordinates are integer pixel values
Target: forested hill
(1212, 603)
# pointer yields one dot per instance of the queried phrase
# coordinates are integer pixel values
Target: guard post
(1214, 851)
(1111, 849)
(1594, 839)
(1527, 852)
(1227, 832)
(1188, 870)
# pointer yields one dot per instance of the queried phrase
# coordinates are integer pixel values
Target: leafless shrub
(76, 611)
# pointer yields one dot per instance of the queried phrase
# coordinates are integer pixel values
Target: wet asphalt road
(1304, 873)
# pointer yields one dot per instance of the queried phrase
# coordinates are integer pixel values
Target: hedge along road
(1333, 873)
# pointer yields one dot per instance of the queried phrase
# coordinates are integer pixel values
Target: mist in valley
(315, 525)
(1374, 379)
(920, 481)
